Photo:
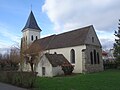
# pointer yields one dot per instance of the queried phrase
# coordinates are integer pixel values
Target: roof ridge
(68, 39)
(48, 36)
(67, 31)
(75, 30)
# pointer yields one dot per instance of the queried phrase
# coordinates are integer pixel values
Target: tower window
(32, 37)
(36, 37)
(26, 38)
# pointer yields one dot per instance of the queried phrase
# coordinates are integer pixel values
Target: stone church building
(80, 48)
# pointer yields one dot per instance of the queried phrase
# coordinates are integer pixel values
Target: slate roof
(57, 60)
(67, 39)
(31, 22)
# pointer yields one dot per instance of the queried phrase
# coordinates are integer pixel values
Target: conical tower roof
(31, 23)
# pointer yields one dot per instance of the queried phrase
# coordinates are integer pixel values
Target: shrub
(110, 65)
(22, 79)
(67, 69)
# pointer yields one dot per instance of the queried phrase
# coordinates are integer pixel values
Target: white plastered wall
(50, 71)
(28, 33)
(48, 67)
(66, 53)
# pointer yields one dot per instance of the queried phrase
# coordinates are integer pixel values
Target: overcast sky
(57, 16)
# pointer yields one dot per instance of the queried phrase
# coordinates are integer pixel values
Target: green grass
(106, 80)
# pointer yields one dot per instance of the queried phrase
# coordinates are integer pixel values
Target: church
(80, 48)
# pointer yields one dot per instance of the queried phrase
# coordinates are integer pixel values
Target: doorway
(43, 71)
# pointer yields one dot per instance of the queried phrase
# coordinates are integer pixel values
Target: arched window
(32, 37)
(36, 37)
(72, 56)
(95, 57)
(98, 58)
(91, 57)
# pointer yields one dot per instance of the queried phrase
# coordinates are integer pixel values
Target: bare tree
(32, 54)
(14, 56)
(6, 56)
(4, 60)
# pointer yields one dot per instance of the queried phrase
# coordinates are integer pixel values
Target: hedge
(22, 79)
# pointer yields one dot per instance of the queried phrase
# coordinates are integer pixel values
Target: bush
(22, 79)
(67, 69)
(110, 65)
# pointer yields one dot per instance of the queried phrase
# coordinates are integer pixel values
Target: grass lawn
(106, 80)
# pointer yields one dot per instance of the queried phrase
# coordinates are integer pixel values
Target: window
(95, 56)
(98, 58)
(91, 57)
(55, 53)
(32, 37)
(36, 37)
(92, 39)
(26, 38)
(43, 71)
(72, 56)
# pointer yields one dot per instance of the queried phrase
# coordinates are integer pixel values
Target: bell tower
(31, 32)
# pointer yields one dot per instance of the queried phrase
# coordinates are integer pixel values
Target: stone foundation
(93, 68)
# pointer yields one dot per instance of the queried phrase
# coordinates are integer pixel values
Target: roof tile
(67, 39)
(57, 60)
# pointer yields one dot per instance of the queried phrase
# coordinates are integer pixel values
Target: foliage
(22, 79)
(117, 46)
(110, 65)
(106, 80)
(67, 69)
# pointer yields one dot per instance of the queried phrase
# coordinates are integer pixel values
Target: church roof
(67, 39)
(57, 60)
(31, 22)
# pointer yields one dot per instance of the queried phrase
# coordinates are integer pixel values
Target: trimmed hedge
(22, 79)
